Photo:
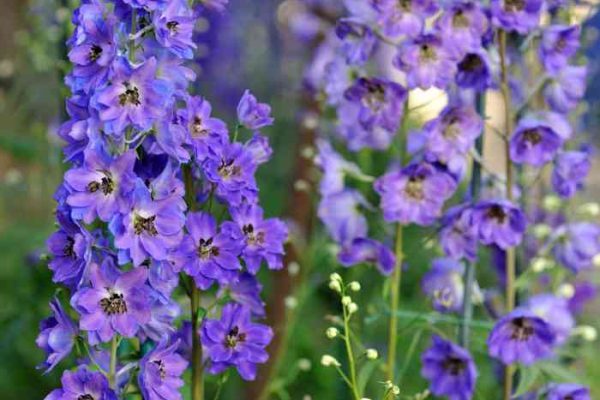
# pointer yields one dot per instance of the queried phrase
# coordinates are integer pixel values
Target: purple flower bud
(57, 336)
(579, 244)
(252, 114)
(570, 170)
(365, 250)
(443, 285)
(566, 88)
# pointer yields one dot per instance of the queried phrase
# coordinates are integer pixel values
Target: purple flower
(559, 43)
(474, 70)
(403, 17)
(71, 250)
(414, 194)
(245, 290)
(163, 313)
(334, 168)
(211, 255)
(83, 384)
(458, 235)
(252, 114)
(263, 238)
(231, 170)
(462, 27)
(260, 148)
(93, 52)
(380, 103)
(358, 40)
(453, 133)
(57, 336)
(235, 341)
(566, 88)
(340, 212)
(174, 28)
(102, 186)
(534, 142)
(568, 391)
(443, 285)
(149, 229)
(449, 369)
(521, 336)
(205, 131)
(499, 222)
(578, 245)
(585, 292)
(149, 4)
(365, 250)
(570, 170)
(161, 371)
(426, 62)
(555, 311)
(516, 15)
(134, 97)
(115, 303)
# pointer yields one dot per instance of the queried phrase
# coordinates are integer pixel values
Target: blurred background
(265, 46)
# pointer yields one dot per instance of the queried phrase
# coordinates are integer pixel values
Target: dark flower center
(522, 329)
(427, 52)
(85, 397)
(405, 5)
(197, 128)
(454, 365)
(95, 52)
(228, 169)
(496, 213)
(414, 188)
(234, 337)
(253, 237)
(460, 20)
(106, 185)
(141, 225)
(173, 26)
(452, 127)
(471, 62)
(561, 44)
(131, 95)
(114, 304)
(514, 5)
(206, 249)
(68, 250)
(532, 136)
(375, 96)
(162, 370)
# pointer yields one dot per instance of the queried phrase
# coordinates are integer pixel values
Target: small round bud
(352, 308)
(335, 277)
(566, 290)
(395, 390)
(596, 261)
(346, 300)
(293, 268)
(388, 384)
(354, 286)
(331, 332)
(291, 302)
(372, 354)
(308, 152)
(304, 364)
(540, 264)
(301, 185)
(541, 231)
(328, 361)
(590, 209)
(588, 333)
(335, 286)
(552, 203)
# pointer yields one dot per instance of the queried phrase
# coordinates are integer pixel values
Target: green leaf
(528, 377)
(558, 373)
(365, 374)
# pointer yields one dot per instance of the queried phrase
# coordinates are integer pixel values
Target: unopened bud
(541, 231)
(588, 333)
(552, 203)
(372, 354)
(335, 277)
(540, 264)
(328, 361)
(331, 332)
(596, 261)
(304, 364)
(566, 290)
(346, 300)
(335, 286)
(590, 209)
(291, 302)
(352, 308)
(354, 286)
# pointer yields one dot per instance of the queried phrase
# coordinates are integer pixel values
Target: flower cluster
(160, 201)
(378, 58)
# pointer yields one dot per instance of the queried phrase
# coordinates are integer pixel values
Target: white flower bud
(304, 364)
(596, 261)
(291, 302)
(552, 203)
(566, 290)
(301, 185)
(372, 354)
(328, 361)
(590, 209)
(541, 231)
(335, 286)
(346, 300)
(540, 264)
(354, 286)
(331, 332)
(395, 390)
(352, 308)
(293, 268)
(587, 332)
(335, 277)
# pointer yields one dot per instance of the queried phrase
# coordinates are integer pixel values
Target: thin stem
(510, 253)
(350, 354)
(197, 367)
(469, 275)
(394, 304)
(112, 371)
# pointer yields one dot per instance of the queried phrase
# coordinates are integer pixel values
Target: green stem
(510, 253)
(112, 371)
(394, 304)
(350, 353)
(469, 275)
